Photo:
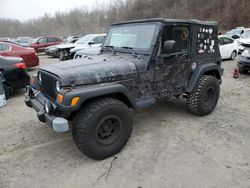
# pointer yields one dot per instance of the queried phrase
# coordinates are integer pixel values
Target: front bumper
(53, 53)
(244, 62)
(37, 102)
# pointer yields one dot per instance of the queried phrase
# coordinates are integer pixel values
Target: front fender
(93, 91)
(203, 70)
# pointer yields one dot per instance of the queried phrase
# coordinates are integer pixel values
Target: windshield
(133, 36)
(35, 40)
(246, 34)
(84, 39)
(24, 40)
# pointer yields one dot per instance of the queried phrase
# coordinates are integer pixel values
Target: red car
(40, 43)
(28, 54)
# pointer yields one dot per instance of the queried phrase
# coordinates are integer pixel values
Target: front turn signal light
(74, 101)
(59, 98)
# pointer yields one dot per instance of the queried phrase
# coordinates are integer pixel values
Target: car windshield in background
(35, 40)
(24, 40)
(132, 36)
(84, 39)
(246, 34)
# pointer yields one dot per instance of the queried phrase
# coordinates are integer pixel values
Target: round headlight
(58, 86)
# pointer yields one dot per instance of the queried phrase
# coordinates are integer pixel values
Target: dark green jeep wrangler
(140, 62)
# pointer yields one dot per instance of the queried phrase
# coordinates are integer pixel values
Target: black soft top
(162, 20)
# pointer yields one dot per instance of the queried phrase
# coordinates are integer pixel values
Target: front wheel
(233, 55)
(102, 128)
(204, 99)
(62, 55)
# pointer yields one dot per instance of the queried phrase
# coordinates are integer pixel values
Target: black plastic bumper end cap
(28, 102)
(41, 116)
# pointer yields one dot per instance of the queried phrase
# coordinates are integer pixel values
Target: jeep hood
(93, 70)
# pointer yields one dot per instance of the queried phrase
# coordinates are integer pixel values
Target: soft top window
(206, 40)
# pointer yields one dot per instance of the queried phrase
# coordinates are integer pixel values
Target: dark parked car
(14, 50)
(244, 61)
(15, 74)
(141, 62)
(40, 43)
(54, 50)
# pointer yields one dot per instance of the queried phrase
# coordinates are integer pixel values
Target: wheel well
(118, 96)
(214, 73)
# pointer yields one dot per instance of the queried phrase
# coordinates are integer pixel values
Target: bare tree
(229, 14)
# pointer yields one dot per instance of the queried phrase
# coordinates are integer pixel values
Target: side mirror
(91, 42)
(235, 37)
(169, 46)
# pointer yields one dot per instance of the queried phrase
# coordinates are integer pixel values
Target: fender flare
(200, 71)
(94, 91)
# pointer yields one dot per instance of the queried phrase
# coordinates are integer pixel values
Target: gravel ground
(169, 147)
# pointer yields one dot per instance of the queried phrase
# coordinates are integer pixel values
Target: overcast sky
(28, 9)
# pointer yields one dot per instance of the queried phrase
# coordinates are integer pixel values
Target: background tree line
(229, 14)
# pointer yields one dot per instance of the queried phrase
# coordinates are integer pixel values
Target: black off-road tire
(205, 97)
(89, 131)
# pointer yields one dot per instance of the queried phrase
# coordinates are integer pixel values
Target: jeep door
(172, 68)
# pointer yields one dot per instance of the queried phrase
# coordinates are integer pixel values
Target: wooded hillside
(229, 14)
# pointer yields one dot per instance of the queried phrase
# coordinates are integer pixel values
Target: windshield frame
(137, 50)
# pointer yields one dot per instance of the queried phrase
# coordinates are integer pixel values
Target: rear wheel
(7, 91)
(102, 128)
(204, 99)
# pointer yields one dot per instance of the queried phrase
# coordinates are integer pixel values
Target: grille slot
(48, 84)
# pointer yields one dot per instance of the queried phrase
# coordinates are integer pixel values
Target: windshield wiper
(112, 49)
(131, 49)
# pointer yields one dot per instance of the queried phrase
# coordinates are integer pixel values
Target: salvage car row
(232, 43)
(68, 49)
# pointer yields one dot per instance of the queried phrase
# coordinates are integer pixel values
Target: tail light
(20, 65)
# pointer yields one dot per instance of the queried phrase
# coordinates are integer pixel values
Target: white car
(229, 47)
(67, 51)
(87, 52)
(244, 41)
